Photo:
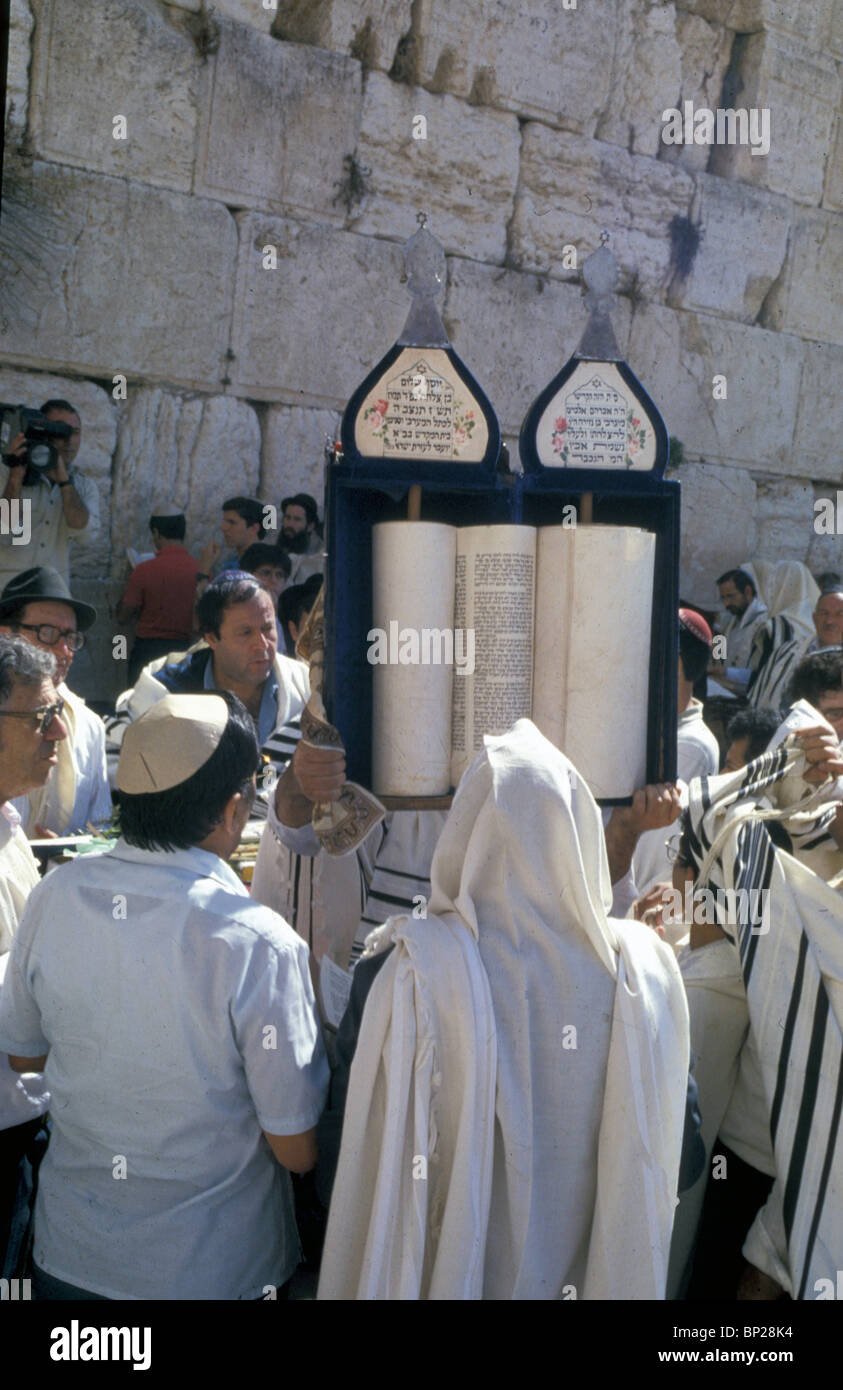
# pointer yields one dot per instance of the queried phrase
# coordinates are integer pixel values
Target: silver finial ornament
(425, 272)
(600, 273)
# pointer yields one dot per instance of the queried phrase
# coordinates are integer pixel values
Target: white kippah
(170, 742)
(164, 508)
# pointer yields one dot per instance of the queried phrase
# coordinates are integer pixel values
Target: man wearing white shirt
(740, 599)
(37, 606)
(176, 1021)
(30, 732)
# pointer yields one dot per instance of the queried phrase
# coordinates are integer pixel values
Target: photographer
(62, 503)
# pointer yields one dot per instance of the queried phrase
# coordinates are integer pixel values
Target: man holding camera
(61, 502)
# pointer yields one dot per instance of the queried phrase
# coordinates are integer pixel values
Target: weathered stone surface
(835, 42)
(806, 297)
(818, 446)
(569, 189)
(801, 90)
(678, 354)
(98, 414)
(536, 59)
(743, 242)
(647, 77)
(834, 176)
(195, 450)
(101, 275)
(705, 50)
(515, 332)
(78, 89)
(463, 174)
(809, 19)
(17, 80)
(292, 451)
(784, 514)
(278, 120)
(826, 551)
(367, 29)
(307, 332)
(717, 526)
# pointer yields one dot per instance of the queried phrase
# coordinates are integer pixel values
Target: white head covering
(789, 590)
(570, 1178)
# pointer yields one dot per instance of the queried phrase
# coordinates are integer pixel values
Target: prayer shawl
(793, 973)
(790, 593)
(58, 795)
(516, 1101)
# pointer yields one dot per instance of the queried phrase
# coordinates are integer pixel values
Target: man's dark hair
(758, 725)
(695, 655)
(169, 528)
(816, 675)
(21, 663)
(740, 579)
(232, 586)
(261, 553)
(185, 815)
(57, 404)
(296, 602)
(829, 582)
(250, 509)
(307, 504)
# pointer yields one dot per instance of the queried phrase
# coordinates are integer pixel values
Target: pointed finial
(600, 273)
(425, 272)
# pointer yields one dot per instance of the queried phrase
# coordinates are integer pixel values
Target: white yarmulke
(170, 742)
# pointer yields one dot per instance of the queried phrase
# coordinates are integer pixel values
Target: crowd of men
(535, 1053)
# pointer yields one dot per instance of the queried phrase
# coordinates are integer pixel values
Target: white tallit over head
(531, 1049)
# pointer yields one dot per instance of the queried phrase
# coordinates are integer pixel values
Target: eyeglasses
(45, 715)
(49, 635)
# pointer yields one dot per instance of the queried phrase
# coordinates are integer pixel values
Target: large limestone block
(801, 90)
(196, 451)
(826, 551)
(718, 527)
(646, 77)
(130, 59)
(834, 177)
(743, 243)
(680, 354)
(277, 121)
(818, 447)
(705, 50)
(463, 174)
(784, 514)
(515, 332)
(806, 297)
(105, 275)
(569, 189)
(292, 451)
(537, 59)
(98, 414)
(17, 76)
(370, 30)
(809, 19)
(307, 332)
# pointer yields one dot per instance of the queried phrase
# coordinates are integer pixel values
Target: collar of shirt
(268, 716)
(200, 863)
(753, 611)
(692, 713)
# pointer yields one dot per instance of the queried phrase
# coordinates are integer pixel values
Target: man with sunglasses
(31, 732)
(38, 607)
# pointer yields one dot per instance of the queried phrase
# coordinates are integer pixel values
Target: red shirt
(164, 589)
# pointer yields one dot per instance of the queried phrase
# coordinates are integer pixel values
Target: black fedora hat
(39, 585)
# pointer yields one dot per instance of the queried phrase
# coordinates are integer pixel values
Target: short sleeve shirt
(47, 535)
(180, 1022)
(164, 590)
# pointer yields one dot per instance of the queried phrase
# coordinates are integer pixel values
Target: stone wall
(254, 123)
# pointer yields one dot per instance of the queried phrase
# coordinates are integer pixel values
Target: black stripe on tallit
(759, 875)
(401, 873)
(393, 899)
(787, 1040)
(806, 1109)
(823, 1183)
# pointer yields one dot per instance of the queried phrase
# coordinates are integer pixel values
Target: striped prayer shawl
(776, 652)
(792, 968)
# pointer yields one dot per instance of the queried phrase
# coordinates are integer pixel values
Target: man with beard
(299, 536)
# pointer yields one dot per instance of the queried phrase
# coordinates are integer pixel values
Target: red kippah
(696, 624)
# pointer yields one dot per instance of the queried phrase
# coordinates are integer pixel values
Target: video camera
(40, 454)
